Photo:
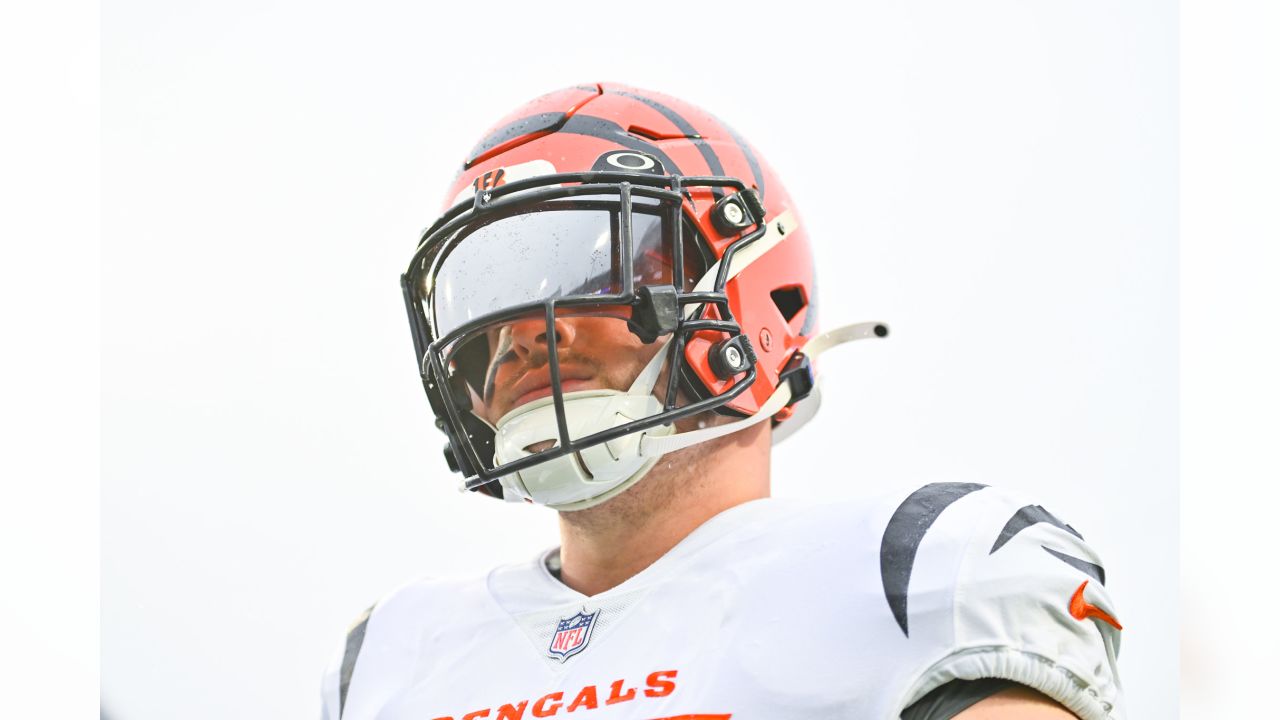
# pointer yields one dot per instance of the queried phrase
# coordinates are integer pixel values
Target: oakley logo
(629, 161)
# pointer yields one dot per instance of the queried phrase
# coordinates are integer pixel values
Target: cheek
(633, 358)
(503, 376)
(620, 344)
(487, 409)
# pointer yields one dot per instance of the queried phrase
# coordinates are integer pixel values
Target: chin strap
(653, 443)
(777, 230)
(651, 446)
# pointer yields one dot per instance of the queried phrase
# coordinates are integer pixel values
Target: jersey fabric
(771, 609)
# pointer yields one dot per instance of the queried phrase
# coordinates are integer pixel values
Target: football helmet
(631, 217)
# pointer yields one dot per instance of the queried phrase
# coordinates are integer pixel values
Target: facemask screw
(731, 357)
(728, 216)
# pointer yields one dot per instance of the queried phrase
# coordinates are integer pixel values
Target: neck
(603, 546)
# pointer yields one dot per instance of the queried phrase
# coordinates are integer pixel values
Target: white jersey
(773, 609)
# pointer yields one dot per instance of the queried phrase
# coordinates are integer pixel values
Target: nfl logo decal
(571, 635)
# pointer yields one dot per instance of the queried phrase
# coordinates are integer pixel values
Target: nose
(529, 338)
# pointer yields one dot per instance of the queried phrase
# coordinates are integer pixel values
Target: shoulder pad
(1004, 589)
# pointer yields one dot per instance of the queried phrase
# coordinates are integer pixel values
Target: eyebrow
(505, 354)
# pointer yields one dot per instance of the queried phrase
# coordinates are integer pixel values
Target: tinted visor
(564, 248)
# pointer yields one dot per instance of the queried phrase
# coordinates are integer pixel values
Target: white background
(998, 181)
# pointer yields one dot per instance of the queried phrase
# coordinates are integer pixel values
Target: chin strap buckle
(798, 374)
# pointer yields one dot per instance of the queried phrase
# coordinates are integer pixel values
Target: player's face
(593, 352)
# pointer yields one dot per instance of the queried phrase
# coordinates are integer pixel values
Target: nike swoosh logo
(1080, 609)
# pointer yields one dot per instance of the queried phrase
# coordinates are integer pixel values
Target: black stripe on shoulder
(355, 639)
(1025, 518)
(902, 537)
(1094, 571)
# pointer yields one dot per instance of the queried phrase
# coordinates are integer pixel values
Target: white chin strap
(652, 446)
(593, 475)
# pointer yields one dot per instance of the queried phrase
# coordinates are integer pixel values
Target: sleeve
(1029, 604)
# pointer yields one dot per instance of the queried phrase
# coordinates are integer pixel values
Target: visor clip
(655, 312)
(731, 357)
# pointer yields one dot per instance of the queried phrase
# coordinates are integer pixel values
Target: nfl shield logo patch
(572, 634)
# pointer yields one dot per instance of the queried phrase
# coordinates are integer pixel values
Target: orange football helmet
(611, 201)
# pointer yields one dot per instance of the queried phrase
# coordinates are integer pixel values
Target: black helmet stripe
(746, 151)
(708, 153)
(574, 125)
(542, 122)
(592, 126)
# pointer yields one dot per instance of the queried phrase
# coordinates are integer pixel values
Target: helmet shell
(774, 299)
